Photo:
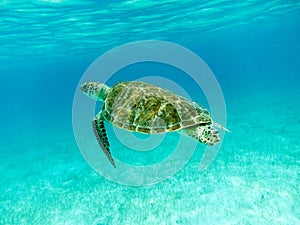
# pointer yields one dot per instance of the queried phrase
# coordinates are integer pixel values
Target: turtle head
(95, 90)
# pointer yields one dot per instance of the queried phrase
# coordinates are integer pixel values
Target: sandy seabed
(255, 178)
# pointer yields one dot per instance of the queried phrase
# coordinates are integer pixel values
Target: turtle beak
(84, 87)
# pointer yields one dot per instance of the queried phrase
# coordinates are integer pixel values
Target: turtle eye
(92, 88)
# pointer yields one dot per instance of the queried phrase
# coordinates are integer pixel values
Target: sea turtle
(146, 108)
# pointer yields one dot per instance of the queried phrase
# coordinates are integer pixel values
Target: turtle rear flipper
(100, 133)
(206, 134)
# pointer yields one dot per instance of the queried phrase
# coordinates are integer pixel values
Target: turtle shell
(146, 108)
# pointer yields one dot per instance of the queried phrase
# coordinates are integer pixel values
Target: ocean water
(252, 48)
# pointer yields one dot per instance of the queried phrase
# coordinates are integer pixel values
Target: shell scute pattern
(171, 117)
(109, 101)
(142, 107)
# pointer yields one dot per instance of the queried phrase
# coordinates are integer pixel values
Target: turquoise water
(252, 47)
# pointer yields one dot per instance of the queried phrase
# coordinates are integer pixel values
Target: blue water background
(253, 49)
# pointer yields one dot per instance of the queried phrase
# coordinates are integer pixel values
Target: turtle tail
(220, 126)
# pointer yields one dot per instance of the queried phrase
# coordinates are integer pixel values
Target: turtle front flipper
(100, 133)
(205, 133)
